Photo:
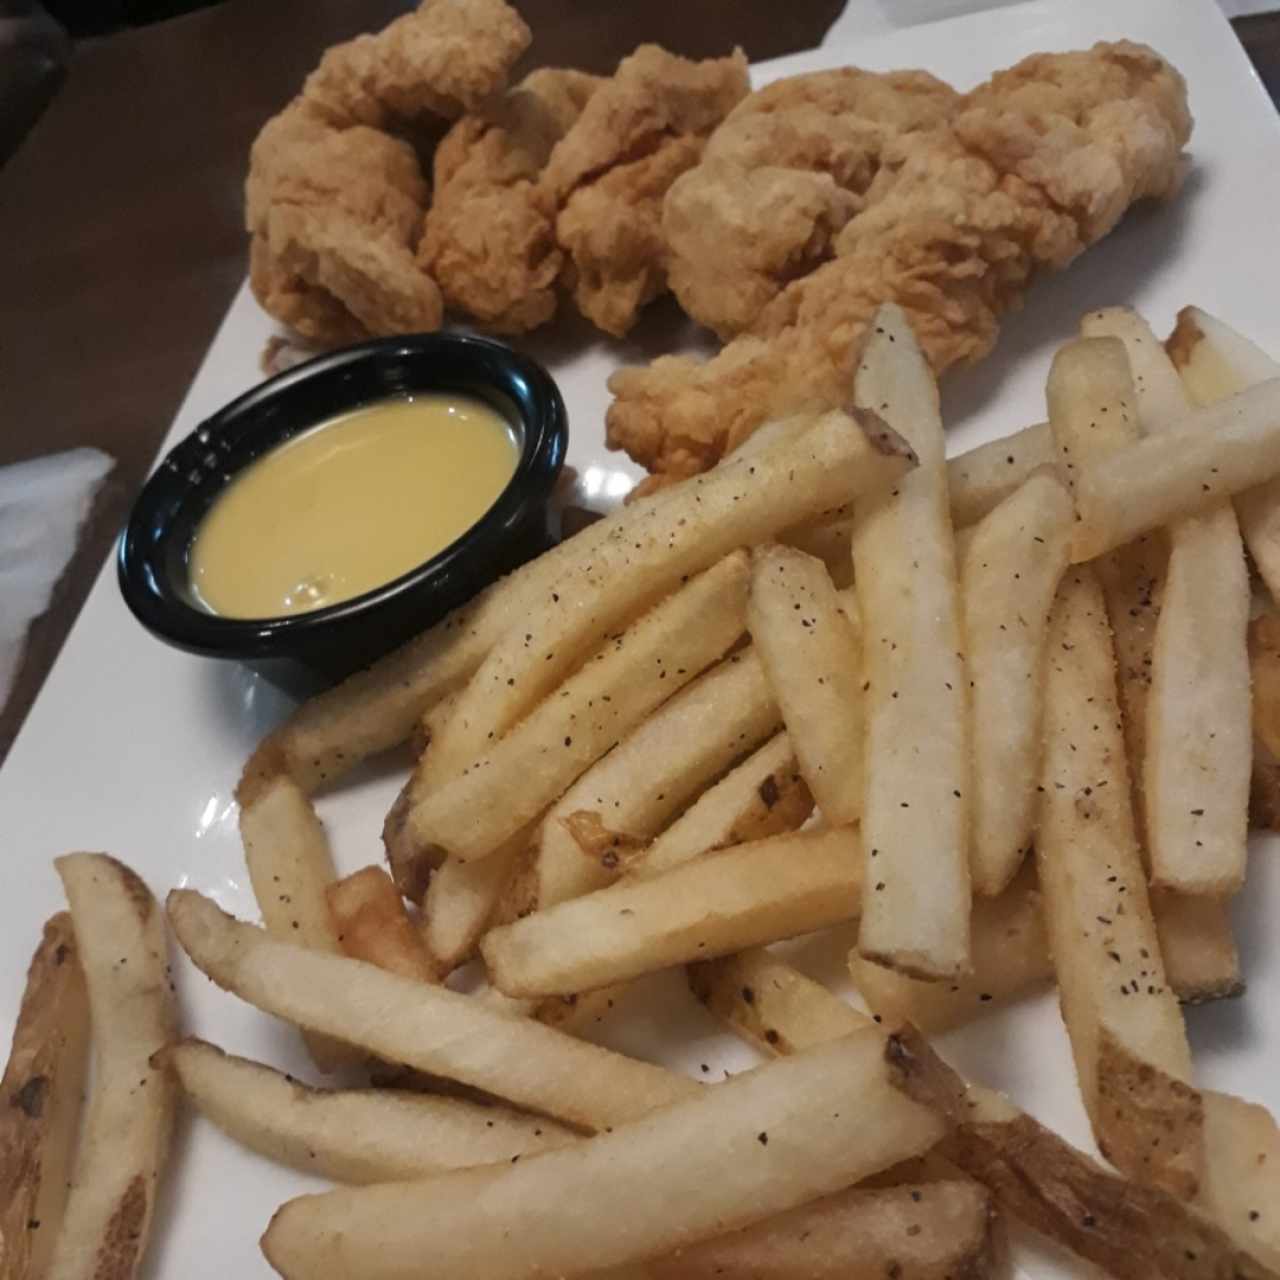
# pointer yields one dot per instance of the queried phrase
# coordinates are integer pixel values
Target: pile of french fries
(1007, 715)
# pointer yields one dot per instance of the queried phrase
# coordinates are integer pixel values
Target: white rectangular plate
(135, 748)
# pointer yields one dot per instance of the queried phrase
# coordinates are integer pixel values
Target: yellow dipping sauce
(351, 504)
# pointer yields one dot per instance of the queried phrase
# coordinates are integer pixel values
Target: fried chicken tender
(489, 237)
(783, 174)
(608, 175)
(335, 201)
(1037, 164)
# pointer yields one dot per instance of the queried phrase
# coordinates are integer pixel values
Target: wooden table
(126, 202)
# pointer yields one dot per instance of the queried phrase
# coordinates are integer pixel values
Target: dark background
(121, 243)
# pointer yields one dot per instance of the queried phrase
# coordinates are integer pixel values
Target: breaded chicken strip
(609, 173)
(1040, 163)
(489, 237)
(783, 174)
(335, 202)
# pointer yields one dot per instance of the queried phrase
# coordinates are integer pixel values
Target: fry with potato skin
(741, 1152)
(125, 1140)
(1009, 572)
(1010, 958)
(739, 897)
(915, 815)
(427, 1027)
(290, 868)
(1195, 774)
(1126, 1030)
(1215, 361)
(356, 1136)
(471, 816)
(812, 657)
(373, 925)
(40, 1097)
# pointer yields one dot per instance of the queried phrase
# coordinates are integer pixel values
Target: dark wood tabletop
(120, 215)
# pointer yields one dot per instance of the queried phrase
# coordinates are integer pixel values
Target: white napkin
(43, 503)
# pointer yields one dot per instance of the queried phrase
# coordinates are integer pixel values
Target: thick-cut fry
(739, 897)
(290, 867)
(813, 659)
(1135, 1232)
(1241, 1186)
(40, 1103)
(427, 1027)
(980, 480)
(1215, 361)
(1195, 778)
(472, 815)
(758, 1145)
(1126, 1029)
(764, 796)
(915, 812)
(351, 1135)
(373, 925)
(1093, 407)
(744, 501)
(125, 1140)
(923, 1231)
(1210, 454)
(1009, 572)
(651, 776)
(829, 543)
(1010, 958)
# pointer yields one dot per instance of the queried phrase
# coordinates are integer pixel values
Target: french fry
(915, 814)
(124, 1144)
(1010, 958)
(1133, 1231)
(1195, 778)
(764, 796)
(1241, 1186)
(350, 1135)
(1126, 1030)
(1264, 661)
(735, 898)
(747, 500)
(290, 868)
(829, 543)
(1009, 572)
(813, 659)
(1208, 455)
(40, 1098)
(472, 815)
(980, 480)
(428, 1027)
(1215, 361)
(935, 1230)
(758, 1145)
(652, 775)
(372, 924)
(1094, 413)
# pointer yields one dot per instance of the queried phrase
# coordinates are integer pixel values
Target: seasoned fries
(980, 480)
(427, 1027)
(1215, 362)
(813, 658)
(42, 1088)
(125, 1140)
(351, 1135)
(1010, 958)
(736, 898)
(372, 924)
(758, 1145)
(472, 815)
(915, 811)
(1195, 778)
(649, 777)
(290, 868)
(1009, 573)
(1126, 1029)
